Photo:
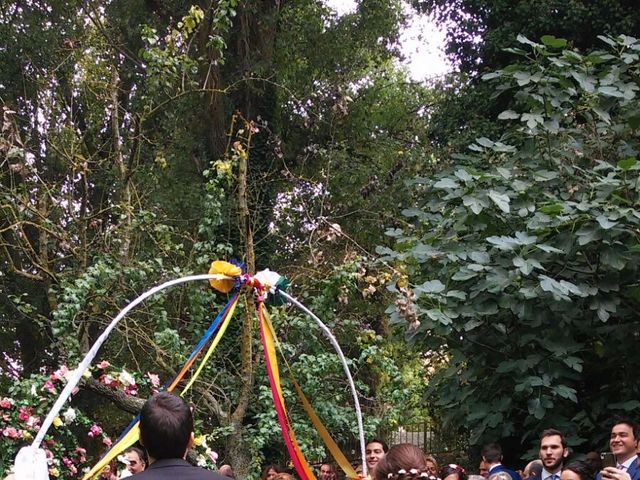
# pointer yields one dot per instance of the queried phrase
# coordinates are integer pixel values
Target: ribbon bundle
(226, 278)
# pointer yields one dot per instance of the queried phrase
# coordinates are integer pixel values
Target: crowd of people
(166, 434)
(408, 462)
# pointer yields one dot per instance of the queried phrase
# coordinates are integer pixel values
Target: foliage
(118, 171)
(523, 257)
(479, 30)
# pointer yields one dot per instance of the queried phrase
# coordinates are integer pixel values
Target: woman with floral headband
(453, 472)
(402, 462)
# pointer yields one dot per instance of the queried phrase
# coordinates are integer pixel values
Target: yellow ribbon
(214, 344)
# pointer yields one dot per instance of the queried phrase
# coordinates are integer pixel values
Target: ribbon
(331, 445)
(297, 457)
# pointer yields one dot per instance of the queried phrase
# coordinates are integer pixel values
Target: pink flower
(73, 469)
(48, 386)
(109, 381)
(81, 454)
(24, 413)
(61, 373)
(107, 441)
(6, 403)
(33, 422)
(12, 432)
(212, 455)
(94, 431)
(131, 389)
(67, 461)
(155, 379)
(103, 364)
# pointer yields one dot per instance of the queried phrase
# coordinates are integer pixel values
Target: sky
(422, 42)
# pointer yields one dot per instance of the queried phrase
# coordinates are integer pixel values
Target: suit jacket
(539, 476)
(176, 469)
(633, 471)
(502, 468)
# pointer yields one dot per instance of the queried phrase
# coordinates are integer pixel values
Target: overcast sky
(422, 42)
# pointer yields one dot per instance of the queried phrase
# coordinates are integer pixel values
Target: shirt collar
(628, 463)
(546, 474)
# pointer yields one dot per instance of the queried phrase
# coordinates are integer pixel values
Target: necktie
(621, 467)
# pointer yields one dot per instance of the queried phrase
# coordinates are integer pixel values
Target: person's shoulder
(186, 472)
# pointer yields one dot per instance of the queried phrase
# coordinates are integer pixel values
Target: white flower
(126, 378)
(69, 416)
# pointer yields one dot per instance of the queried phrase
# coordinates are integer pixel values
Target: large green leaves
(534, 248)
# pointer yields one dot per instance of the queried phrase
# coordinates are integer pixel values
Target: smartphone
(608, 459)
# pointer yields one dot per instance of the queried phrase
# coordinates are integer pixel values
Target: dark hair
(627, 421)
(536, 469)
(492, 452)
(166, 425)
(403, 456)
(550, 432)
(330, 465)
(385, 447)
(581, 468)
(451, 469)
(266, 469)
(142, 455)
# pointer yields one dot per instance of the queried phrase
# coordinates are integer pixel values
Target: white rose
(69, 416)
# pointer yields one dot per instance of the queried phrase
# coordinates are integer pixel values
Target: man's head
(492, 453)
(327, 472)
(136, 460)
(166, 426)
(553, 450)
(226, 471)
(483, 469)
(374, 451)
(533, 469)
(594, 461)
(624, 439)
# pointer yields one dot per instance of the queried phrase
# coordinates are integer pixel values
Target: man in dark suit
(553, 452)
(166, 431)
(492, 454)
(623, 443)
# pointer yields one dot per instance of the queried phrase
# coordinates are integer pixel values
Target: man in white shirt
(624, 445)
(553, 452)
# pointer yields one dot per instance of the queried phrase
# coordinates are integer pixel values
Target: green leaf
(611, 91)
(605, 223)
(553, 42)
(508, 115)
(473, 203)
(439, 316)
(432, 286)
(536, 409)
(566, 392)
(485, 142)
(574, 362)
(501, 200)
(548, 248)
(446, 183)
(627, 163)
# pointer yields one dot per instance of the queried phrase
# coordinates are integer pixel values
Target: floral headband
(413, 472)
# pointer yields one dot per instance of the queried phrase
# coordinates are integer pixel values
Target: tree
(119, 168)
(478, 31)
(522, 257)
